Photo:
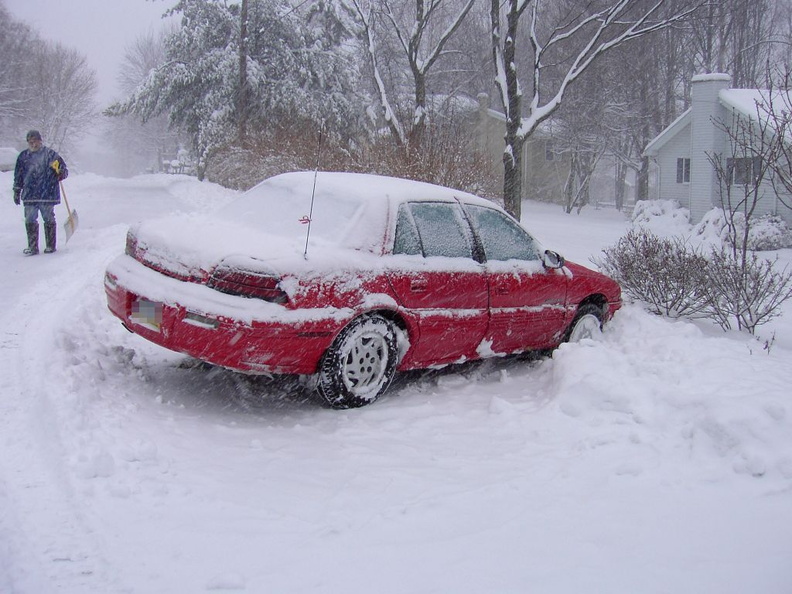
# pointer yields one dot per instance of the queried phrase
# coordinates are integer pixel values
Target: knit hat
(33, 134)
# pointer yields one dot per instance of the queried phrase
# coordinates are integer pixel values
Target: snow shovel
(73, 221)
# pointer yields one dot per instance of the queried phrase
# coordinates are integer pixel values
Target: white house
(682, 151)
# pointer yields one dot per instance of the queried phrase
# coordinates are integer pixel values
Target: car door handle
(419, 286)
(502, 290)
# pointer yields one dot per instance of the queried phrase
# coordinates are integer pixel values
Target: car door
(437, 279)
(527, 301)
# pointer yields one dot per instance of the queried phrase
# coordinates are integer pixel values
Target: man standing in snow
(37, 174)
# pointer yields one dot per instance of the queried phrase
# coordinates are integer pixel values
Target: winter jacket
(36, 178)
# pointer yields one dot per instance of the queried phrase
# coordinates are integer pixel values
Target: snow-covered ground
(658, 460)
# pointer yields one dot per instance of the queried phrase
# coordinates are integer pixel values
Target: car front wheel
(360, 363)
(587, 323)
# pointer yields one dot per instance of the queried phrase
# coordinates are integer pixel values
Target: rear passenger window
(407, 240)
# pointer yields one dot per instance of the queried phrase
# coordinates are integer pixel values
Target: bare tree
(140, 145)
(591, 33)
(43, 85)
(422, 38)
(14, 41)
(60, 96)
(738, 37)
(776, 109)
(580, 132)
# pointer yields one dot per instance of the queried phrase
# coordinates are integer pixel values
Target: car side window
(443, 229)
(407, 240)
(501, 237)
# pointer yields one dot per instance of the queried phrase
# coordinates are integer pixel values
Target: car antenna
(313, 191)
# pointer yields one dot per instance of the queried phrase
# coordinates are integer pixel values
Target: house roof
(751, 103)
(672, 130)
(755, 103)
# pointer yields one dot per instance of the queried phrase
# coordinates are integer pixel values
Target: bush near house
(677, 278)
(766, 233)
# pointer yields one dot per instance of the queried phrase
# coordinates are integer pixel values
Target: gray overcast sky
(99, 29)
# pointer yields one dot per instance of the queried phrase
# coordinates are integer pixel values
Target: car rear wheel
(587, 323)
(360, 363)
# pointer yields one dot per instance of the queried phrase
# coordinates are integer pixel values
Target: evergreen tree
(295, 68)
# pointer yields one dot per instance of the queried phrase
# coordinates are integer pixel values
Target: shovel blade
(71, 224)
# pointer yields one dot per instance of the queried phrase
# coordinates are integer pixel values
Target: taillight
(247, 284)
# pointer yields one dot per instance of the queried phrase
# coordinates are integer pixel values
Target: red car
(350, 277)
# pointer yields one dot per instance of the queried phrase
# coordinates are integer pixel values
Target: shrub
(766, 233)
(666, 274)
(769, 232)
(747, 293)
(677, 280)
(443, 157)
(660, 214)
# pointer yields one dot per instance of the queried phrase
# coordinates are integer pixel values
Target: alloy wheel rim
(365, 363)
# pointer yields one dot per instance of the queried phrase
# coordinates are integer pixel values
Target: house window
(549, 154)
(744, 170)
(683, 171)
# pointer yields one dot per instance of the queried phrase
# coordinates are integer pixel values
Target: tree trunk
(512, 178)
(621, 184)
(642, 182)
(242, 97)
(513, 155)
(415, 137)
(570, 190)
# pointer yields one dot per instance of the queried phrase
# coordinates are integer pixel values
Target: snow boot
(32, 237)
(49, 237)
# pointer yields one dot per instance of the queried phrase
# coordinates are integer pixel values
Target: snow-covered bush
(665, 273)
(768, 232)
(745, 293)
(661, 217)
(678, 280)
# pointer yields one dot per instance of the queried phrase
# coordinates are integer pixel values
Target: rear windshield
(284, 209)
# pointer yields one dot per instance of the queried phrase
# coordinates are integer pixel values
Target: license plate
(147, 314)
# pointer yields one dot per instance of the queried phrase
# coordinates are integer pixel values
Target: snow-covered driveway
(658, 460)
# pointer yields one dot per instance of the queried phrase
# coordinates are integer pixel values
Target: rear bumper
(243, 334)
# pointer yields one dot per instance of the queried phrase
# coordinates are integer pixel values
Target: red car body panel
(435, 298)
(447, 313)
(528, 310)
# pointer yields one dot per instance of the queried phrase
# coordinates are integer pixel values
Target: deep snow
(658, 460)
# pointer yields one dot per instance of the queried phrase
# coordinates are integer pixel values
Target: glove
(60, 173)
(16, 196)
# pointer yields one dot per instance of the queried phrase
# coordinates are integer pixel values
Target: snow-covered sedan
(348, 278)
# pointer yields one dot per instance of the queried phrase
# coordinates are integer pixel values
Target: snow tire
(359, 365)
(587, 323)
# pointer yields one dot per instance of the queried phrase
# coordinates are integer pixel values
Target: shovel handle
(66, 200)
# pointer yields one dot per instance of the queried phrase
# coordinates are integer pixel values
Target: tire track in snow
(60, 551)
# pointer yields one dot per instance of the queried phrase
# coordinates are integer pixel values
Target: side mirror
(553, 259)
